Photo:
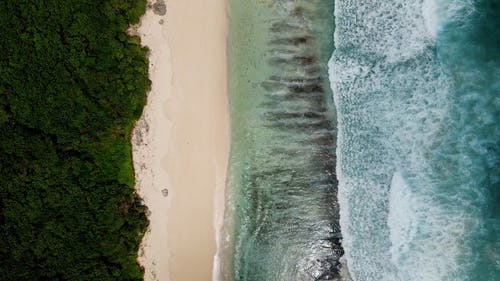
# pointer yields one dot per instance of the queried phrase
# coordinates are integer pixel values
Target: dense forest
(72, 83)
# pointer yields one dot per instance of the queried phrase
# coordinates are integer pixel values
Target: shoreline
(181, 143)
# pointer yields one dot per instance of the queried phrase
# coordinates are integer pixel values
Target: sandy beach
(181, 143)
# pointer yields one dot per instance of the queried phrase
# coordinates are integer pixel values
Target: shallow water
(282, 200)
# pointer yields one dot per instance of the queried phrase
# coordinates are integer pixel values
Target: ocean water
(416, 86)
(282, 211)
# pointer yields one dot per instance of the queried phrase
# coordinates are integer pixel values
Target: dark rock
(283, 27)
(160, 8)
(164, 192)
(295, 41)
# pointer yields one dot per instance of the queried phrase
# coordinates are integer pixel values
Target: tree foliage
(72, 82)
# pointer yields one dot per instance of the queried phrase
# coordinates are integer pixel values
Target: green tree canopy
(72, 82)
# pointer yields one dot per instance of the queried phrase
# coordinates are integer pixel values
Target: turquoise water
(417, 90)
(282, 220)
(414, 141)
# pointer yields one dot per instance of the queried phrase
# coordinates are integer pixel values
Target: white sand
(182, 140)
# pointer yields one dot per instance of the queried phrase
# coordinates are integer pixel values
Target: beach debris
(160, 8)
(161, 21)
(141, 130)
(164, 192)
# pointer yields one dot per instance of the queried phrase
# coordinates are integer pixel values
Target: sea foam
(415, 128)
